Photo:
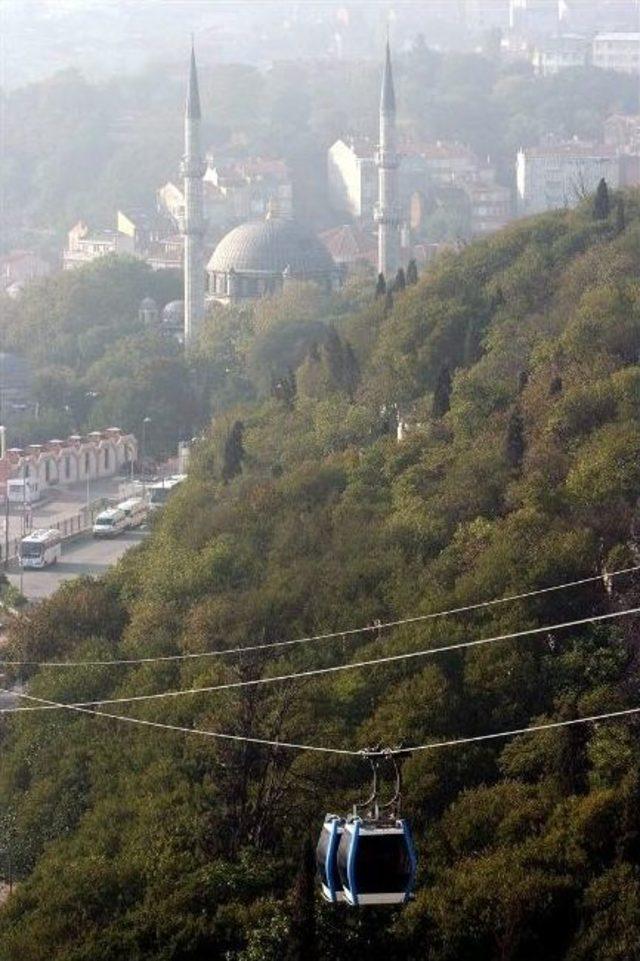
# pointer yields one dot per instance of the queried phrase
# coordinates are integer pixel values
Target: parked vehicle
(23, 490)
(135, 509)
(110, 523)
(160, 492)
(40, 548)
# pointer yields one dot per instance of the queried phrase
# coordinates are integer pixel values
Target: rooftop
(268, 247)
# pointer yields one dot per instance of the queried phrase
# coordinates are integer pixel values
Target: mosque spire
(192, 222)
(193, 94)
(387, 208)
(387, 96)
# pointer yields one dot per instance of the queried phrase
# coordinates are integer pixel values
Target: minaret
(192, 225)
(387, 212)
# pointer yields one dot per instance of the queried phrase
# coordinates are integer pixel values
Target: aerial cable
(292, 745)
(348, 632)
(314, 672)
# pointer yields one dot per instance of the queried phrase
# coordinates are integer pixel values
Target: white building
(490, 203)
(21, 266)
(560, 175)
(353, 177)
(622, 131)
(534, 18)
(617, 51)
(84, 246)
(554, 54)
(101, 453)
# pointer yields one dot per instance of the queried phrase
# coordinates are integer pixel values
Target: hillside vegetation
(515, 367)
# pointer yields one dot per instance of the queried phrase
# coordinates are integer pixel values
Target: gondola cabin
(376, 861)
(327, 858)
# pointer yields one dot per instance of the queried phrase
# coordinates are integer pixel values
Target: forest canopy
(512, 367)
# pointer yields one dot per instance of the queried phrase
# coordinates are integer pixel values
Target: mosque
(259, 258)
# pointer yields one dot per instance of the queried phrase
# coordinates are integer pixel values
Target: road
(86, 555)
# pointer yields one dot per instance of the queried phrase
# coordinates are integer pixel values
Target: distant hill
(513, 367)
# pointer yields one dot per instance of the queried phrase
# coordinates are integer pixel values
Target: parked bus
(135, 510)
(160, 491)
(21, 490)
(110, 523)
(40, 548)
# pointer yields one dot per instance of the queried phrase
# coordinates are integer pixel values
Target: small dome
(268, 247)
(173, 312)
(148, 303)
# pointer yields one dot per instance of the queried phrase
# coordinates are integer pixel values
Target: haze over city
(319, 483)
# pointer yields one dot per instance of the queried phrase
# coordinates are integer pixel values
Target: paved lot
(63, 502)
(83, 556)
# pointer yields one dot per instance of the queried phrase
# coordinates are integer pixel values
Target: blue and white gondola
(376, 862)
(327, 858)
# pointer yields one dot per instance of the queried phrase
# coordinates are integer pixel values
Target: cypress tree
(621, 220)
(401, 281)
(233, 452)
(471, 346)
(388, 302)
(334, 355)
(412, 273)
(381, 286)
(302, 943)
(602, 204)
(514, 442)
(523, 380)
(555, 387)
(442, 393)
(351, 370)
(289, 388)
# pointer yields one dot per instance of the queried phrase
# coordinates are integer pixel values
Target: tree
(381, 286)
(514, 442)
(233, 452)
(442, 393)
(412, 272)
(388, 302)
(601, 204)
(302, 944)
(401, 281)
(351, 370)
(555, 387)
(620, 215)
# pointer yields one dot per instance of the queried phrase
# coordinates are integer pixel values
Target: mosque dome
(269, 247)
(148, 303)
(173, 313)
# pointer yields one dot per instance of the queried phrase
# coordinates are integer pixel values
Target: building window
(106, 458)
(47, 471)
(87, 462)
(27, 470)
(67, 466)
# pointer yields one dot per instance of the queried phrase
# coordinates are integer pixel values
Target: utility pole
(6, 526)
(24, 508)
(147, 420)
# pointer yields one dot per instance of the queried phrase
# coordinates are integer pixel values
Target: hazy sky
(103, 37)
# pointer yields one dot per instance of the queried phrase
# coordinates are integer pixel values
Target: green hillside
(515, 368)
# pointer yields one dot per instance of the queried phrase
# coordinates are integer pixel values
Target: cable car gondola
(376, 861)
(327, 858)
(369, 857)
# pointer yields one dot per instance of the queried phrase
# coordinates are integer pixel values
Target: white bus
(110, 523)
(21, 490)
(135, 510)
(160, 491)
(40, 548)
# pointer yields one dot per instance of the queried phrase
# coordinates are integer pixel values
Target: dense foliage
(304, 513)
(93, 362)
